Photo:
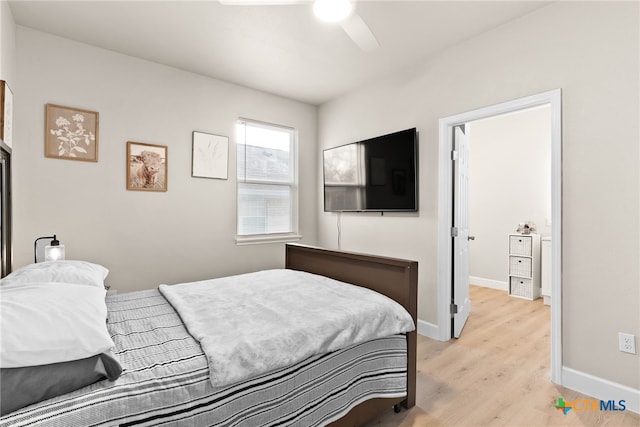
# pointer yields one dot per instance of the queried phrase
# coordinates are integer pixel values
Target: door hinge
(454, 155)
(454, 309)
(454, 231)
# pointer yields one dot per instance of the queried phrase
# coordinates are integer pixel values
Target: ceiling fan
(335, 11)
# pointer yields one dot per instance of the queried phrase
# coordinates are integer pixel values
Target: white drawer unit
(524, 266)
(521, 287)
(521, 244)
(520, 266)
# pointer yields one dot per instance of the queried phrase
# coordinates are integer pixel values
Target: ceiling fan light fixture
(332, 10)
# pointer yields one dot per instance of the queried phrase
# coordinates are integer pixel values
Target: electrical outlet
(627, 342)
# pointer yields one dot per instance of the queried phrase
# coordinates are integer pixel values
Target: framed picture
(6, 114)
(71, 133)
(146, 167)
(210, 156)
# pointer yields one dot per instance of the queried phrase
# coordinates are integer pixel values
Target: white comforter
(254, 323)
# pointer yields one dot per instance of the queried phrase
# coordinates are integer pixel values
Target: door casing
(445, 201)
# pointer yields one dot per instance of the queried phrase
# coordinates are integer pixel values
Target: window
(267, 190)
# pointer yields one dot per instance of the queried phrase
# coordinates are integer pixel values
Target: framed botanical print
(6, 114)
(210, 156)
(146, 167)
(71, 133)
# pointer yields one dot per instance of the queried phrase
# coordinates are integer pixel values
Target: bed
(166, 379)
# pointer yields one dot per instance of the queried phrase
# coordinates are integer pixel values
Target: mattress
(165, 380)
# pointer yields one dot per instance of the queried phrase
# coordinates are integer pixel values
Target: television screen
(377, 174)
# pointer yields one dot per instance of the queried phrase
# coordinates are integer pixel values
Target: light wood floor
(496, 374)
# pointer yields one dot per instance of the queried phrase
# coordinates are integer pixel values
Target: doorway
(446, 231)
(511, 186)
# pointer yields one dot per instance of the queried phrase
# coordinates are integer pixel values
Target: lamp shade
(53, 253)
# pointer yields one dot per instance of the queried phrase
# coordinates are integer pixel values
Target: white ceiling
(281, 49)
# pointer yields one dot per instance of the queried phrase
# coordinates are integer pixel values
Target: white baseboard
(600, 388)
(428, 330)
(489, 283)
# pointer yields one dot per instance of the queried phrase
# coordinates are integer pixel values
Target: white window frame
(293, 235)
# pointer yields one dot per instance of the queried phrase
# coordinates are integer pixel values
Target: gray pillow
(20, 387)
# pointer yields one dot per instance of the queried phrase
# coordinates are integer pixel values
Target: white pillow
(43, 323)
(67, 271)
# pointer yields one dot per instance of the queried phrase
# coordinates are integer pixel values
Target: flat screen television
(378, 174)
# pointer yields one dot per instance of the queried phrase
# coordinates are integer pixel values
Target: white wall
(144, 238)
(590, 50)
(7, 45)
(510, 171)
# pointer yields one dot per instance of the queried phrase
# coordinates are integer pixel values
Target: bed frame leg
(397, 408)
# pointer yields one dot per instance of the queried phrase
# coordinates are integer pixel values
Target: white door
(460, 304)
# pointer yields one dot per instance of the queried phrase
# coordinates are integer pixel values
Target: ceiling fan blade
(360, 33)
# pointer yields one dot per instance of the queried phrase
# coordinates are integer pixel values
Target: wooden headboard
(395, 278)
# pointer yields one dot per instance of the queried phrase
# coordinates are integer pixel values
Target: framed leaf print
(210, 156)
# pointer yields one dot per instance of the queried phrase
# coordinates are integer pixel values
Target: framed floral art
(71, 133)
(6, 114)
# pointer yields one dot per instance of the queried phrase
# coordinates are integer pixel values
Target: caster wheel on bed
(397, 408)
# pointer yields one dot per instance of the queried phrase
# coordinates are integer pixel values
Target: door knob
(471, 237)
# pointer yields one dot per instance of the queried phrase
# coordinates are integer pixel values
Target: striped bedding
(166, 382)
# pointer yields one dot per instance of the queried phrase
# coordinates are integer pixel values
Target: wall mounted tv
(378, 174)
